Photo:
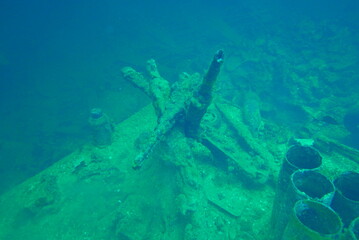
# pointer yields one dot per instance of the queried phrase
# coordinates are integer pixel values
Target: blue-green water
(292, 67)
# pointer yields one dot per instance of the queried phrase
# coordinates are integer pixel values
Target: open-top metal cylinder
(346, 198)
(354, 229)
(312, 220)
(297, 158)
(309, 184)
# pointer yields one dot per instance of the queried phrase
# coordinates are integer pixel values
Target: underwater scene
(179, 120)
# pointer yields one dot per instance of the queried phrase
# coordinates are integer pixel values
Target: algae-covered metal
(188, 100)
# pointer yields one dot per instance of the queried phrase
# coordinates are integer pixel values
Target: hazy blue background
(58, 59)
